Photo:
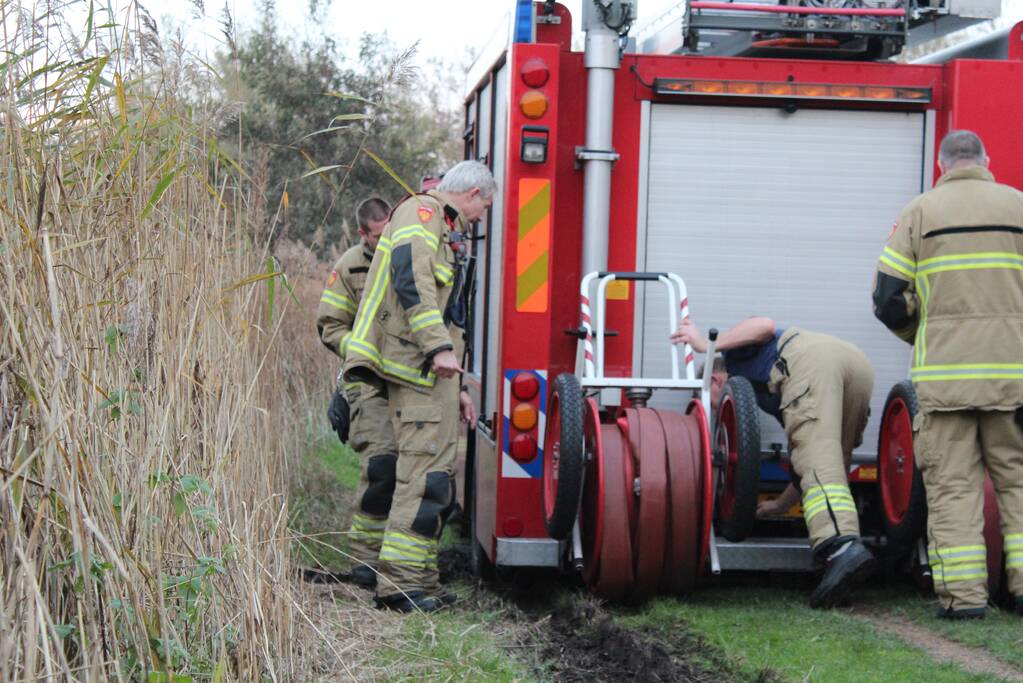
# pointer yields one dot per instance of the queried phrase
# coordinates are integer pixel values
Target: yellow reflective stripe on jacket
(376, 290)
(971, 261)
(343, 347)
(923, 287)
(415, 231)
(443, 274)
(425, 319)
(338, 301)
(972, 371)
(369, 351)
(898, 262)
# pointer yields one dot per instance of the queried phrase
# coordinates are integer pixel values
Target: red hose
(792, 9)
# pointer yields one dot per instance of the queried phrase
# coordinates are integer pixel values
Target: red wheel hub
(551, 455)
(726, 443)
(895, 460)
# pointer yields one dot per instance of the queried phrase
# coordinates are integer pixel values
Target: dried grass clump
(142, 507)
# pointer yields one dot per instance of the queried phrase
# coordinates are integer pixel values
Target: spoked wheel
(563, 456)
(648, 449)
(591, 514)
(613, 578)
(737, 442)
(903, 498)
(683, 553)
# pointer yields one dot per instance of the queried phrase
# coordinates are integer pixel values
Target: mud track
(575, 640)
(942, 649)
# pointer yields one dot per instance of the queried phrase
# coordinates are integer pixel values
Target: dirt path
(941, 649)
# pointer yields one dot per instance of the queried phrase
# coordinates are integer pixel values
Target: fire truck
(756, 168)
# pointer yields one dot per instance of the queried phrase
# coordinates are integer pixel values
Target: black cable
(639, 78)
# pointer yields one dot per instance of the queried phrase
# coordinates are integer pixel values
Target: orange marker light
(776, 89)
(743, 88)
(812, 90)
(533, 104)
(880, 93)
(710, 86)
(847, 91)
(523, 417)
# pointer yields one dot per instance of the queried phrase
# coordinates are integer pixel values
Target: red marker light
(535, 72)
(525, 386)
(523, 448)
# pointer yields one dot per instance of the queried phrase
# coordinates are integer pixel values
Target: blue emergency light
(523, 27)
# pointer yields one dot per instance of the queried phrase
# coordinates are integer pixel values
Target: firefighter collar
(967, 173)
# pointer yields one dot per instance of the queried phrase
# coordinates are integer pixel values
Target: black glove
(339, 415)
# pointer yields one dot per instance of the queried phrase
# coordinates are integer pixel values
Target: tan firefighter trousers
(372, 438)
(953, 449)
(426, 427)
(825, 385)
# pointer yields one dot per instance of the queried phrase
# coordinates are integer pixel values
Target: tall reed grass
(142, 509)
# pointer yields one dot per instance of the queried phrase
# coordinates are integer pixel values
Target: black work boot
(364, 577)
(413, 601)
(848, 562)
(961, 614)
(1019, 605)
(445, 596)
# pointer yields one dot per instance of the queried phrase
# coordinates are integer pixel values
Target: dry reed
(142, 509)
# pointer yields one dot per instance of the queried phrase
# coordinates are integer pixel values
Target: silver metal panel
(638, 288)
(494, 272)
(766, 555)
(486, 491)
(767, 213)
(528, 552)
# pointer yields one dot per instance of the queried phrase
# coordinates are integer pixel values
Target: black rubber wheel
(737, 458)
(900, 483)
(563, 456)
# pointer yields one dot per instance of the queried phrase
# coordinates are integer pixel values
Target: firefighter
(819, 388)
(948, 282)
(404, 335)
(370, 434)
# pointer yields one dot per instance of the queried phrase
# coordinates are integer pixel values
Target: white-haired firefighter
(405, 335)
(948, 282)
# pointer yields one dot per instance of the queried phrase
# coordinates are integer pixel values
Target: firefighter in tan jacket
(949, 282)
(370, 435)
(403, 335)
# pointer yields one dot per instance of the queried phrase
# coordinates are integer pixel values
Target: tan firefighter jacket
(404, 318)
(950, 281)
(340, 299)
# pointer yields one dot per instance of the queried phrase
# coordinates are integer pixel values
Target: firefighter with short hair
(404, 334)
(948, 282)
(370, 434)
(819, 388)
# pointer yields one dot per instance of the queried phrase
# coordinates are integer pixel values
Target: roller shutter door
(763, 212)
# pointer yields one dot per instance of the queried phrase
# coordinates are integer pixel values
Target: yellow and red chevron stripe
(534, 245)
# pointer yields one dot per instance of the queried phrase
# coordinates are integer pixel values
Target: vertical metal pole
(601, 61)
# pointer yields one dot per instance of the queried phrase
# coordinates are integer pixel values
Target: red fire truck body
(769, 184)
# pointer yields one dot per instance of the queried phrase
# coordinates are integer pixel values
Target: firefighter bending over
(819, 388)
(370, 434)
(948, 282)
(403, 335)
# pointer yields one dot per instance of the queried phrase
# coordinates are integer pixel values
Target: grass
(772, 628)
(455, 645)
(321, 497)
